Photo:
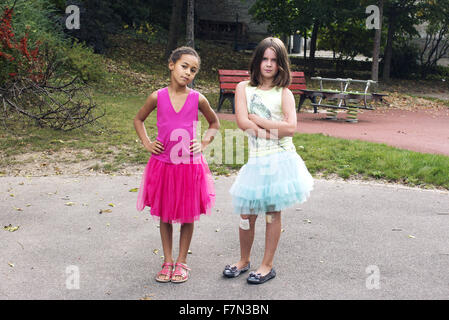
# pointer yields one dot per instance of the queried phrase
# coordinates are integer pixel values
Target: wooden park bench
(230, 78)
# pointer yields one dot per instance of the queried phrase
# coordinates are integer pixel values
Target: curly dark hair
(178, 52)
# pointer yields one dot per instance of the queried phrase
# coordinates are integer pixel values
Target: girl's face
(268, 66)
(184, 70)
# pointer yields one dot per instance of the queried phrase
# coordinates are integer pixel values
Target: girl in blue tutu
(275, 177)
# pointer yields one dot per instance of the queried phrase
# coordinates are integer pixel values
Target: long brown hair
(282, 78)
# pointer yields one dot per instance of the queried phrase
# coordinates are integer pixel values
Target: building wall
(226, 10)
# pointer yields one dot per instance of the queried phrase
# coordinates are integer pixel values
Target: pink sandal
(181, 270)
(167, 270)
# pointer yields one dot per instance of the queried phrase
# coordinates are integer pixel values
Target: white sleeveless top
(266, 104)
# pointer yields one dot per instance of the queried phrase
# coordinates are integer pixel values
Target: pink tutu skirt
(176, 192)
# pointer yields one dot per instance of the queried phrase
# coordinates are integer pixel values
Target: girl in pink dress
(177, 184)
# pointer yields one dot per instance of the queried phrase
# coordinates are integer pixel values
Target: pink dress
(177, 185)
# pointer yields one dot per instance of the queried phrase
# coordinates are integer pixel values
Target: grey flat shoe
(233, 272)
(257, 278)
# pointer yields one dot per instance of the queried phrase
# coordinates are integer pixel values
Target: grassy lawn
(111, 143)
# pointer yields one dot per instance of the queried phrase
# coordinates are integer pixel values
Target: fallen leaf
(11, 264)
(10, 228)
(105, 211)
(217, 230)
(134, 190)
(70, 203)
(155, 251)
(411, 237)
(18, 209)
(111, 205)
(189, 252)
(307, 220)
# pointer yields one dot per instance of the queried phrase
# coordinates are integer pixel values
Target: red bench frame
(230, 78)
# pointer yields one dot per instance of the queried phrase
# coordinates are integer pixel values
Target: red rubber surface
(424, 131)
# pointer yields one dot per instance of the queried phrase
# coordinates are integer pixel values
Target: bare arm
(155, 147)
(212, 119)
(284, 128)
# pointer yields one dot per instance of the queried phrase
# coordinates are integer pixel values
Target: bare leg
(246, 241)
(272, 235)
(166, 231)
(184, 244)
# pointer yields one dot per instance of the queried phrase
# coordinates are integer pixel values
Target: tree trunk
(305, 48)
(376, 46)
(175, 22)
(389, 47)
(284, 39)
(190, 30)
(313, 47)
(190, 24)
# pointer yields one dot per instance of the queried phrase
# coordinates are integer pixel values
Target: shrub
(81, 61)
(404, 61)
(39, 19)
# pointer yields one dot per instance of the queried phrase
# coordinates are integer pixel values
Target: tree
(175, 22)
(401, 19)
(289, 16)
(376, 45)
(346, 34)
(436, 42)
(190, 24)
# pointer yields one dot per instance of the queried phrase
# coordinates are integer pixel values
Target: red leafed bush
(17, 57)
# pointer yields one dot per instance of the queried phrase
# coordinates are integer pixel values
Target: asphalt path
(350, 240)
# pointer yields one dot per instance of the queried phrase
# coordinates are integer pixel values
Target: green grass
(366, 160)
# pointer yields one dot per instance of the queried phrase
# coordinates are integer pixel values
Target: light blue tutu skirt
(271, 183)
